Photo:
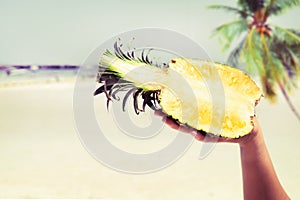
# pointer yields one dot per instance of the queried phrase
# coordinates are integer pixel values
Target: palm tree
(265, 49)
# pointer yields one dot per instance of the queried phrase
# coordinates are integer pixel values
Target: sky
(66, 31)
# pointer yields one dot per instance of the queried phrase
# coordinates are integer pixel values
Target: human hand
(201, 135)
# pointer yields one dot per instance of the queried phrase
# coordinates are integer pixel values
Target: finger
(172, 123)
(159, 113)
(207, 137)
(186, 129)
(177, 126)
(199, 136)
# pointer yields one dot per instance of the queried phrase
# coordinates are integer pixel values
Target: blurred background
(40, 153)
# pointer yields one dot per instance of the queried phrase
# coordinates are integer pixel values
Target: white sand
(41, 155)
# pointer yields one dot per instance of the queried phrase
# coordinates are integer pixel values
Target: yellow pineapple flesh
(204, 95)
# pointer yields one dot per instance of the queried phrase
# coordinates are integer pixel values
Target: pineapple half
(183, 90)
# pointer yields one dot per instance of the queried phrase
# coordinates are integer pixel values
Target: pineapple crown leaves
(131, 56)
(107, 74)
(113, 83)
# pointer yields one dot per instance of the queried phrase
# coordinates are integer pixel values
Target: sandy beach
(41, 155)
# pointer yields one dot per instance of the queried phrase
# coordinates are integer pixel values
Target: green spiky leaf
(241, 13)
(268, 50)
(252, 55)
(289, 36)
(235, 54)
(230, 31)
(277, 7)
(253, 5)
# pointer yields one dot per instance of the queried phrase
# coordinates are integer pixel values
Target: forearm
(259, 177)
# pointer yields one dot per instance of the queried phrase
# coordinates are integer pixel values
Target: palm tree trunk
(288, 100)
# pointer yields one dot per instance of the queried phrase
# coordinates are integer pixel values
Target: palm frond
(230, 31)
(289, 59)
(295, 49)
(235, 54)
(242, 13)
(251, 5)
(276, 7)
(252, 55)
(242, 4)
(286, 96)
(277, 61)
(289, 36)
(268, 50)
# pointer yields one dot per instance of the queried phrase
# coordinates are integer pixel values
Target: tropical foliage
(262, 48)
